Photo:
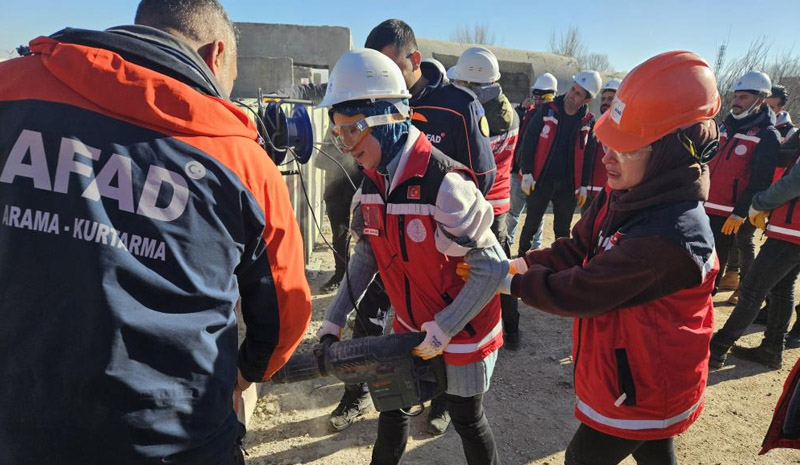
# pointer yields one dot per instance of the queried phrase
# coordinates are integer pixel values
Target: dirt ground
(529, 404)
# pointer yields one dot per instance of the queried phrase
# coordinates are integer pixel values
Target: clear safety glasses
(627, 157)
(345, 136)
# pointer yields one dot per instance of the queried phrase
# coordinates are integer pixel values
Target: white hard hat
(438, 64)
(546, 82)
(590, 81)
(611, 84)
(364, 74)
(476, 64)
(754, 81)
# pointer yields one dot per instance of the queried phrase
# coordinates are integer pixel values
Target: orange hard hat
(670, 91)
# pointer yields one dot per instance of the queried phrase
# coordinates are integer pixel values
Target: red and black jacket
(140, 208)
(595, 176)
(503, 137)
(643, 313)
(420, 280)
(744, 164)
(539, 139)
(784, 430)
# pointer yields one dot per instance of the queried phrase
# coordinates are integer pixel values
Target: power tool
(397, 379)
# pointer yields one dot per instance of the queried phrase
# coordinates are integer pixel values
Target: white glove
(329, 328)
(517, 266)
(527, 184)
(435, 341)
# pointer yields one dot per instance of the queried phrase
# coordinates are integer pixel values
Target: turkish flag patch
(413, 192)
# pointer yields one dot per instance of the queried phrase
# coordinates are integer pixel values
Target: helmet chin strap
(745, 113)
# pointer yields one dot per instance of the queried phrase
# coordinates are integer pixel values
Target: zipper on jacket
(730, 149)
(627, 389)
(408, 301)
(577, 350)
(401, 224)
(735, 190)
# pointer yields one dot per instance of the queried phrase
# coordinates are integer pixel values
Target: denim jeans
(773, 272)
(468, 419)
(517, 207)
(562, 194)
(591, 447)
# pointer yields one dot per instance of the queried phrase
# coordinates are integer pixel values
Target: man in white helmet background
(743, 166)
(451, 117)
(420, 214)
(542, 91)
(478, 71)
(594, 172)
(552, 157)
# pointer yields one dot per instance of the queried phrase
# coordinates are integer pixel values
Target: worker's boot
(767, 355)
(718, 353)
(734, 298)
(793, 336)
(438, 417)
(729, 281)
(355, 403)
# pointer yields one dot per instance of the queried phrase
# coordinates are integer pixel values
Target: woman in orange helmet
(638, 272)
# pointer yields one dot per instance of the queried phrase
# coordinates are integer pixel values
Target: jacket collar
(413, 159)
(763, 117)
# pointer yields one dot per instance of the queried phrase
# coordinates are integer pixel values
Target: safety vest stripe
(746, 137)
(499, 201)
(469, 348)
(595, 188)
(410, 209)
(586, 128)
(371, 199)
(780, 230)
(718, 206)
(550, 118)
(506, 135)
(633, 425)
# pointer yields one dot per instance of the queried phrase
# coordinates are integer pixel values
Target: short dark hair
(779, 92)
(391, 32)
(197, 20)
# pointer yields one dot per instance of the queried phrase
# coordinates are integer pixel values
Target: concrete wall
(312, 46)
(266, 74)
(518, 68)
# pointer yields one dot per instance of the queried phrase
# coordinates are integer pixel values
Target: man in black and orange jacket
(137, 209)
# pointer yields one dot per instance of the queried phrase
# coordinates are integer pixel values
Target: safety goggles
(348, 134)
(627, 157)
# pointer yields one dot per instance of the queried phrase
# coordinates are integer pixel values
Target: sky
(628, 31)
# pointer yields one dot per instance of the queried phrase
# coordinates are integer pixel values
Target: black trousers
(591, 447)
(744, 250)
(773, 273)
(508, 304)
(468, 419)
(562, 194)
(338, 195)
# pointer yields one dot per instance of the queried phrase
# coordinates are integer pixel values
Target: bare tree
(568, 44)
(476, 34)
(783, 68)
(596, 61)
(571, 44)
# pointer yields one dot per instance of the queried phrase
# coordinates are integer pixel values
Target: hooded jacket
(137, 209)
(637, 276)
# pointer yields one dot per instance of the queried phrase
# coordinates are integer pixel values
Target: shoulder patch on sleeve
(484, 125)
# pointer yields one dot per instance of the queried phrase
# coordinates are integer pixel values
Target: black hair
(779, 92)
(197, 20)
(392, 32)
